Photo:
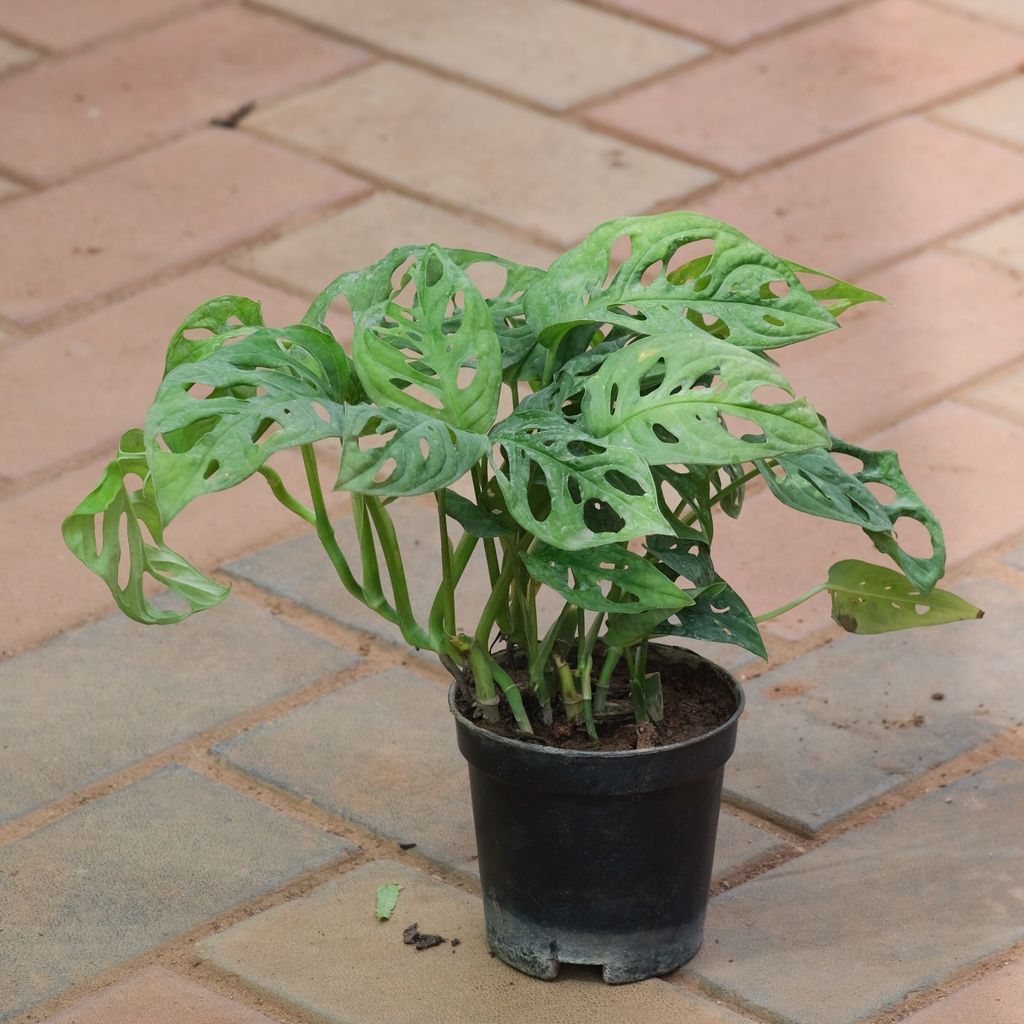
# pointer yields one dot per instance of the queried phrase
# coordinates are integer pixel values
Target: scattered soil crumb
(782, 690)
(914, 722)
(938, 695)
(412, 936)
(406, 846)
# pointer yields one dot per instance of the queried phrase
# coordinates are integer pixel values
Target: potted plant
(641, 398)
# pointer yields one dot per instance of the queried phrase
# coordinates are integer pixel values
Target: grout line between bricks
(975, 16)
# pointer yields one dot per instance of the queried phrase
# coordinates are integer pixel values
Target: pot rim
(614, 755)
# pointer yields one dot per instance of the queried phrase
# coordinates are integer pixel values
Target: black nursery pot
(597, 858)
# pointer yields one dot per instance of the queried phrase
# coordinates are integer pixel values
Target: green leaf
(596, 570)
(443, 346)
(418, 453)
(569, 489)
(870, 598)
(740, 291)
(654, 396)
(118, 507)
(387, 900)
(477, 521)
(840, 295)
(275, 389)
(227, 316)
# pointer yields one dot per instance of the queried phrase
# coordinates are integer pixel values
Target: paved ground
(193, 821)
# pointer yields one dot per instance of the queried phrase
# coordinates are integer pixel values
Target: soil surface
(697, 701)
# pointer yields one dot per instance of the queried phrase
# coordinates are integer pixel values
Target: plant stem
(447, 584)
(736, 484)
(284, 496)
(782, 609)
(612, 656)
(498, 598)
(570, 698)
(512, 695)
(483, 683)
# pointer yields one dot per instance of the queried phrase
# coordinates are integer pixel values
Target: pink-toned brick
(935, 336)
(157, 996)
(62, 116)
(67, 24)
(807, 86)
(12, 55)
(123, 343)
(996, 111)
(1003, 394)
(724, 21)
(873, 197)
(995, 999)
(183, 201)
(47, 590)
(952, 456)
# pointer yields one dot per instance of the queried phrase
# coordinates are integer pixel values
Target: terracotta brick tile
(538, 173)
(66, 24)
(180, 202)
(8, 188)
(725, 21)
(62, 116)
(793, 92)
(998, 111)
(554, 52)
(874, 196)
(48, 590)
(1002, 240)
(994, 999)
(1003, 395)
(1004, 12)
(123, 343)
(12, 55)
(934, 336)
(157, 996)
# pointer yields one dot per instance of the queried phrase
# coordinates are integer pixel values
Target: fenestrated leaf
(428, 349)
(477, 521)
(227, 316)
(718, 615)
(119, 506)
(584, 578)
(651, 396)
(870, 598)
(569, 489)
(813, 482)
(427, 453)
(740, 291)
(272, 390)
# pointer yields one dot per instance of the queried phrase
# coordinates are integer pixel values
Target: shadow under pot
(601, 858)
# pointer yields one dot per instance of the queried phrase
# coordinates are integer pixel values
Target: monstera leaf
(403, 352)
(652, 396)
(228, 316)
(118, 508)
(584, 578)
(870, 598)
(740, 291)
(419, 453)
(274, 389)
(718, 614)
(569, 489)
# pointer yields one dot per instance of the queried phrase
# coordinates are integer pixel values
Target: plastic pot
(597, 858)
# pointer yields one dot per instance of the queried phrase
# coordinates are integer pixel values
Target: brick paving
(193, 820)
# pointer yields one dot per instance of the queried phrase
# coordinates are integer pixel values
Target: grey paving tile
(830, 730)
(102, 697)
(892, 908)
(133, 869)
(326, 954)
(740, 842)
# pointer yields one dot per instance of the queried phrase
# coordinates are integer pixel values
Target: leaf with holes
(650, 396)
(569, 489)
(116, 506)
(870, 598)
(595, 571)
(272, 390)
(475, 520)
(718, 614)
(739, 291)
(416, 453)
(428, 348)
(223, 318)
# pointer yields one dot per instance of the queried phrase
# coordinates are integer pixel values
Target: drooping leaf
(227, 316)
(272, 390)
(119, 506)
(569, 489)
(387, 900)
(426, 348)
(651, 396)
(477, 521)
(718, 614)
(418, 453)
(870, 598)
(740, 291)
(584, 578)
